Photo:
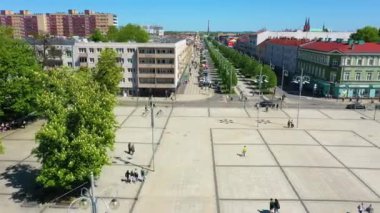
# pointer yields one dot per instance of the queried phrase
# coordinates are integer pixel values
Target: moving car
(355, 106)
(267, 104)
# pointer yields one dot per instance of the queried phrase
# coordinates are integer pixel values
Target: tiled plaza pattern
(330, 163)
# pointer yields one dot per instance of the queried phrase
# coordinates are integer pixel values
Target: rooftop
(343, 47)
(288, 41)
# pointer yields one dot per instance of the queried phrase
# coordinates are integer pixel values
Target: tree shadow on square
(263, 211)
(22, 177)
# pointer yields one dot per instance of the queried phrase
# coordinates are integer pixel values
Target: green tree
(112, 33)
(131, 32)
(6, 32)
(368, 34)
(97, 36)
(107, 72)
(80, 128)
(19, 78)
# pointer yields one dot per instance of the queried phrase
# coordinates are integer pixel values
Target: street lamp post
(300, 80)
(152, 125)
(90, 197)
(260, 78)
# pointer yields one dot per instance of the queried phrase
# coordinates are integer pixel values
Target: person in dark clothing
(129, 147)
(276, 206)
(132, 149)
(127, 176)
(289, 123)
(271, 205)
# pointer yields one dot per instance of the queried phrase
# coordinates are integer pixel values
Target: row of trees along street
(249, 67)
(77, 106)
(226, 71)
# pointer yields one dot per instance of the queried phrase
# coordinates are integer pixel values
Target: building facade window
(119, 50)
(348, 61)
(70, 64)
(123, 80)
(369, 76)
(357, 76)
(91, 50)
(360, 61)
(82, 50)
(371, 62)
(92, 60)
(120, 60)
(69, 53)
(83, 59)
(99, 50)
(346, 76)
(129, 60)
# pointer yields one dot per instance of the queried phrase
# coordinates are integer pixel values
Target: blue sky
(233, 15)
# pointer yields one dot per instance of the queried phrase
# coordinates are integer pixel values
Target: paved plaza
(331, 163)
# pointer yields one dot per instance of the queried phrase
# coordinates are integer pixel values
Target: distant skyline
(237, 15)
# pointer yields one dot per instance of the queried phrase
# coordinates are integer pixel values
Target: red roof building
(346, 48)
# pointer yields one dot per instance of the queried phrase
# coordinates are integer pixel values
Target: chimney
(24, 12)
(6, 12)
(73, 12)
(88, 12)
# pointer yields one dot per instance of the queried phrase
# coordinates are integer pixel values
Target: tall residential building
(58, 24)
(342, 69)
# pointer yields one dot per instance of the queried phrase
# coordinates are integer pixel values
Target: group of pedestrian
(133, 176)
(290, 124)
(362, 209)
(274, 205)
(131, 148)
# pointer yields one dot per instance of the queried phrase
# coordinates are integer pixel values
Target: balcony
(156, 65)
(150, 85)
(156, 55)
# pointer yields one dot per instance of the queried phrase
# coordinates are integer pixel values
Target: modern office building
(148, 68)
(57, 24)
(342, 69)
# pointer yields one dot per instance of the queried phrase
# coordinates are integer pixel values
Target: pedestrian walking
(266, 109)
(129, 148)
(289, 123)
(276, 206)
(369, 209)
(244, 151)
(136, 174)
(142, 173)
(360, 208)
(127, 176)
(271, 206)
(276, 106)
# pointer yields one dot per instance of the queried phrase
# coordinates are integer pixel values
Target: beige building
(148, 68)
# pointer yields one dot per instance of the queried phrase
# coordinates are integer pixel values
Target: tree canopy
(368, 34)
(129, 32)
(107, 73)
(20, 76)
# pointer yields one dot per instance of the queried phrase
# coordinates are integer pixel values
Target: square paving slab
(357, 157)
(145, 122)
(289, 155)
(241, 206)
(339, 138)
(287, 136)
(142, 155)
(228, 112)
(123, 110)
(143, 135)
(164, 111)
(305, 113)
(341, 207)
(231, 155)
(190, 112)
(253, 183)
(370, 177)
(342, 114)
(236, 136)
(17, 150)
(120, 119)
(328, 184)
(272, 113)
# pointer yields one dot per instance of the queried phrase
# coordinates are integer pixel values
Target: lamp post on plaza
(88, 196)
(302, 79)
(260, 79)
(152, 126)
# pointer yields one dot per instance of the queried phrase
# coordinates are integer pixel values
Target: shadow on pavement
(263, 211)
(22, 178)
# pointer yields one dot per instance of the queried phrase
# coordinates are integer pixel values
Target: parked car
(267, 104)
(355, 106)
